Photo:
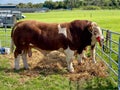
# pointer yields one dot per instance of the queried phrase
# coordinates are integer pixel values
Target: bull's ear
(91, 25)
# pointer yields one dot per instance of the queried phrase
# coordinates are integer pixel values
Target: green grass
(11, 80)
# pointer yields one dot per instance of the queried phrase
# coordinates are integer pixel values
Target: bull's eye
(95, 32)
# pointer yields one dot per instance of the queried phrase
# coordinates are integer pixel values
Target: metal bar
(103, 52)
(111, 50)
(114, 52)
(114, 61)
(111, 31)
(110, 46)
(119, 65)
(115, 33)
(108, 57)
(102, 59)
(115, 42)
(114, 71)
(108, 65)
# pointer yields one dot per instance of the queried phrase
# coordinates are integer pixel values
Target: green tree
(38, 5)
(21, 5)
(68, 3)
(72, 4)
(29, 5)
(114, 3)
(49, 4)
(61, 4)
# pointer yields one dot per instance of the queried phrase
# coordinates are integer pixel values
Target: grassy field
(108, 19)
(12, 80)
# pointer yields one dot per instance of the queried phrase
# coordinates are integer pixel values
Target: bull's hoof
(16, 69)
(71, 70)
(26, 68)
(85, 58)
(80, 62)
(94, 61)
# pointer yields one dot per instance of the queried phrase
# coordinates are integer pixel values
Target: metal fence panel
(110, 54)
(119, 66)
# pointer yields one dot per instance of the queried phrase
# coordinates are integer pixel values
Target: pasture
(108, 19)
(43, 78)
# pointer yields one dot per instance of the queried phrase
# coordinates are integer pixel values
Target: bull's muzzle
(100, 40)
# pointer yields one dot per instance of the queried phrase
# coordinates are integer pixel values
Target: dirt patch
(54, 63)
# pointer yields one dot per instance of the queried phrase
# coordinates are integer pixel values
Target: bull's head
(96, 34)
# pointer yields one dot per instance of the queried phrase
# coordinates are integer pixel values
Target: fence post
(119, 65)
(14, 19)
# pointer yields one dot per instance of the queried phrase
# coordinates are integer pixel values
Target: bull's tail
(12, 42)
(12, 33)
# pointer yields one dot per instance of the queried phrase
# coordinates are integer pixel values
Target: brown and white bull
(71, 36)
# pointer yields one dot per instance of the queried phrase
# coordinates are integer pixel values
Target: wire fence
(5, 37)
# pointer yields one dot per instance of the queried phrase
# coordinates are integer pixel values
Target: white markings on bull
(17, 60)
(69, 57)
(93, 40)
(62, 30)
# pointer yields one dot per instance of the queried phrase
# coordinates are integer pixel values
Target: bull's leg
(29, 52)
(93, 53)
(70, 64)
(81, 52)
(80, 58)
(24, 58)
(69, 57)
(83, 55)
(17, 59)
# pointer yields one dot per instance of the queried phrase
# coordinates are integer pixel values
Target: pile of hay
(55, 63)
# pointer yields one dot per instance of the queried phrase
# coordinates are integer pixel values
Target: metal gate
(110, 54)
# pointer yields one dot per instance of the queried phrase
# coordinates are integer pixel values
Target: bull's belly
(50, 42)
(49, 46)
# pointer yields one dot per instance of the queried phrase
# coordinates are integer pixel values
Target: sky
(23, 1)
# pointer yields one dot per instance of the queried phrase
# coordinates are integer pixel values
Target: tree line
(69, 4)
